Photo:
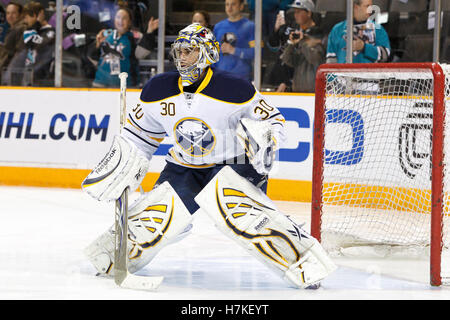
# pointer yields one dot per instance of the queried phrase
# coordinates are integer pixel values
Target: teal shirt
(115, 53)
(269, 5)
(374, 36)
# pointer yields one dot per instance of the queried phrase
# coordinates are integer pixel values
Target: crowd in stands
(27, 42)
(117, 36)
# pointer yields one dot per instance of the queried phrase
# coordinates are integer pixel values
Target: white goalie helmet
(192, 39)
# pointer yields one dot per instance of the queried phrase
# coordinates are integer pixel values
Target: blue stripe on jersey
(134, 134)
(227, 87)
(148, 131)
(274, 115)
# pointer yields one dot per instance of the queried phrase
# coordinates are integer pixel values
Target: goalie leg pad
(155, 219)
(245, 214)
(123, 166)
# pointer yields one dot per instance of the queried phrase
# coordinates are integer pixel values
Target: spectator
(236, 36)
(305, 53)
(202, 17)
(13, 15)
(147, 43)
(43, 66)
(280, 74)
(115, 53)
(13, 41)
(38, 43)
(270, 9)
(370, 40)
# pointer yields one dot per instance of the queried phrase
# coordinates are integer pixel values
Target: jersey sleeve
(259, 109)
(332, 46)
(144, 131)
(381, 49)
(142, 127)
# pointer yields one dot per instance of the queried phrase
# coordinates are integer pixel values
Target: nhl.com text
(75, 127)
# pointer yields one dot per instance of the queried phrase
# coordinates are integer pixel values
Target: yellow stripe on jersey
(172, 154)
(205, 81)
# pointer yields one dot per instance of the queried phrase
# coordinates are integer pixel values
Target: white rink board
(73, 129)
(51, 128)
(396, 133)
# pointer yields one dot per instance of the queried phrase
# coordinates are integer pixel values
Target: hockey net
(380, 180)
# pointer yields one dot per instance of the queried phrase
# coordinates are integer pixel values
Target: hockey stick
(122, 276)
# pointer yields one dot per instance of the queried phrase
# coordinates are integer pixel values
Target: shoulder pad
(161, 86)
(227, 87)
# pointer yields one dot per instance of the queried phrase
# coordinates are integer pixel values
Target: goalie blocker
(123, 166)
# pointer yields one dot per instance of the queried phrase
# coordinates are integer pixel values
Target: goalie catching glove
(256, 137)
(123, 166)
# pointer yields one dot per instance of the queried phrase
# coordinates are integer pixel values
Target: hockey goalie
(225, 138)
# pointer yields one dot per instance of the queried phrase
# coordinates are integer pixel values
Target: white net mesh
(376, 188)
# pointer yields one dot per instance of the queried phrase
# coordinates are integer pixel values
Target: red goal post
(373, 128)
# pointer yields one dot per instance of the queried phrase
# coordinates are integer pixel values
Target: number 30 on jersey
(168, 109)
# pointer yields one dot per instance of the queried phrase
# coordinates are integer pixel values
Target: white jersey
(202, 124)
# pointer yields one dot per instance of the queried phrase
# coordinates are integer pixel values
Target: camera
(107, 32)
(79, 40)
(295, 35)
(229, 37)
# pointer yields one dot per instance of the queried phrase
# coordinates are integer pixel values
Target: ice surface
(44, 231)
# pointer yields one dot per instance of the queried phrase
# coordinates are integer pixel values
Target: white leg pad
(245, 214)
(155, 219)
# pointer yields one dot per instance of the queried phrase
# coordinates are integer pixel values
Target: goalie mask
(193, 51)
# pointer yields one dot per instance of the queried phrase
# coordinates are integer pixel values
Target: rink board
(53, 138)
(378, 151)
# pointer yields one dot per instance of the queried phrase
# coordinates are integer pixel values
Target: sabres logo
(194, 136)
